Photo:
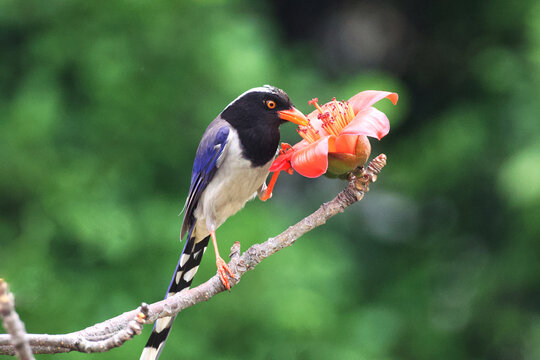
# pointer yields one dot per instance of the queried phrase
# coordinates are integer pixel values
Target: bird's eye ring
(270, 104)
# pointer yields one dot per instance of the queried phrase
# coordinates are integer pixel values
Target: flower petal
(282, 162)
(369, 122)
(312, 160)
(300, 144)
(365, 99)
(346, 144)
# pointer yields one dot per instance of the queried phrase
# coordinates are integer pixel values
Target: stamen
(305, 135)
(314, 102)
(308, 133)
(341, 120)
(330, 127)
(338, 115)
(350, 110)
(325, 116)
(346, 114)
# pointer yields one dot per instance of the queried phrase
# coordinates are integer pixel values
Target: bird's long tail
(185, 271)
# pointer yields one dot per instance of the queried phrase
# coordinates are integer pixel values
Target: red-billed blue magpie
(230, 168)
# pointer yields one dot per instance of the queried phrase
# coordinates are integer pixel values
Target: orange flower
(335, 140)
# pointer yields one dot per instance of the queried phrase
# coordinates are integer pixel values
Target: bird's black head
(266, 107)
(256, 116)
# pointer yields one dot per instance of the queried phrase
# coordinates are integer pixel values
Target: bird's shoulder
(208, 158)
(216, 133)
(213, 142)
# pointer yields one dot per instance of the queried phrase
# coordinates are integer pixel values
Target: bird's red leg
(222, 268)
(270, 188)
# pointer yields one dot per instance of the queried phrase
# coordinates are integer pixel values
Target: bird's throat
(258, 146)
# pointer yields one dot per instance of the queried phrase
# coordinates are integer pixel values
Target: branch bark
(114, 332)
(13, 324)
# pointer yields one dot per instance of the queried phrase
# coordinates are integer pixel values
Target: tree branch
(13, 324)
(114, 332)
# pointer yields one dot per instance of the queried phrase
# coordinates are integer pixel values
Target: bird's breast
(235, 182)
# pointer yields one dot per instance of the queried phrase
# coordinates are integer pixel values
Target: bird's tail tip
(149, 353)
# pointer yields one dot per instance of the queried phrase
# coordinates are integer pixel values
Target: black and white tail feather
(207, 161)
(183, 276)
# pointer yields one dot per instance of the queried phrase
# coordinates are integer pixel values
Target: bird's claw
(223, 270)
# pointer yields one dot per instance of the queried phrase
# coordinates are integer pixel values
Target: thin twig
(13, 324)
(114, 332)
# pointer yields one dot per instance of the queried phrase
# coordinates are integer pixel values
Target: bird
(230, 168)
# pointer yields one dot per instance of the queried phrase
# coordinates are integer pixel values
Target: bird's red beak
(293, 115)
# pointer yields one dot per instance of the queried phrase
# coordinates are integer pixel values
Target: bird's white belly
(235, 183)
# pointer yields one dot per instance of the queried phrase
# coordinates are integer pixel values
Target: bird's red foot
(223, 270)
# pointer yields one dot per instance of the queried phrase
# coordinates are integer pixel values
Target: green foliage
(103, 104)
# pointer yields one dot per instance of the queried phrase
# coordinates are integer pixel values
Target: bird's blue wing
(205, 166)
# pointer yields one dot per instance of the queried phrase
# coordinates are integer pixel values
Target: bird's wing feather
(207, 160)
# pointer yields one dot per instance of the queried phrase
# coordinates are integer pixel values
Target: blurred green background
(102, 104)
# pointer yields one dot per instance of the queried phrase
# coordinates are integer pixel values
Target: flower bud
(340, 164)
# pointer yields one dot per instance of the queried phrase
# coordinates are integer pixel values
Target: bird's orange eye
(270, 104)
